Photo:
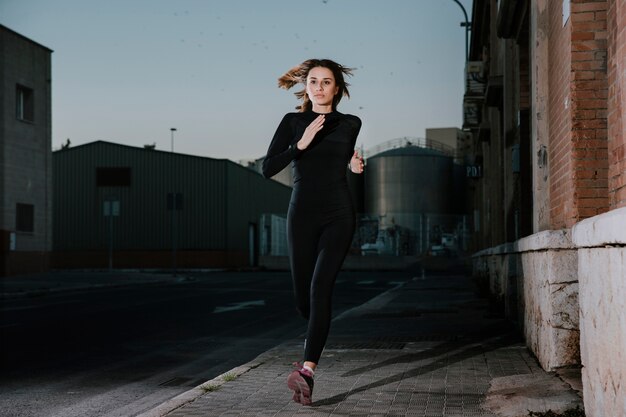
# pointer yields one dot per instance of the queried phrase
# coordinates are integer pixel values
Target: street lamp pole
(467, 25)
(173, 129)
(173, 207)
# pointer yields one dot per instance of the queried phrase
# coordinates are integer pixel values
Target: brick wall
(578, 112)
(589, 105)
(560, 163)
(617, 103)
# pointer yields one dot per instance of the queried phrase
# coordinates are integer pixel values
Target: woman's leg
(302, 237)
(333, 245)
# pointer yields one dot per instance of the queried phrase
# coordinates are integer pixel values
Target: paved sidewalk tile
(414, 381)
(431, 349)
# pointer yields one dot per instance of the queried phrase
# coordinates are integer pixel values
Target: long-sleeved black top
(319, 171)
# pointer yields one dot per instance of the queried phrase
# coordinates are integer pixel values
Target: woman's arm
(281, 152)
(356, 161)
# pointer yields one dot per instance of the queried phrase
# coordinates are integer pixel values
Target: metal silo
(410, 189)
(409, 179)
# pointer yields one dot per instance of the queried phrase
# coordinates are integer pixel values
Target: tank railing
(411, 141)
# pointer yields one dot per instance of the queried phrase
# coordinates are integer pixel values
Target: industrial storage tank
(409, 179)
(411, 192)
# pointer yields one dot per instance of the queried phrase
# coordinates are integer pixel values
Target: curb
(202, 389)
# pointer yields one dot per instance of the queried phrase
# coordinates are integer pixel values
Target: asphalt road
(119, 352)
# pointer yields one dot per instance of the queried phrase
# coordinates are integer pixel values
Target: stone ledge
(503, 249)
(601, 230)
(546, 240)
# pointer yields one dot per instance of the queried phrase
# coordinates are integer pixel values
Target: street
(121, 351)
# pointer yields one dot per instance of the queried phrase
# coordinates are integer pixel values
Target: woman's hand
(310, 132)
(356, 163)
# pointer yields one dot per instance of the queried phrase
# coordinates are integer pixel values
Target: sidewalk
(427, 348)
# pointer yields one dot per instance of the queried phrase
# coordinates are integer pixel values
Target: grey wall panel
(144, 221)
(75, 219)
(249, 196)
(220, 199)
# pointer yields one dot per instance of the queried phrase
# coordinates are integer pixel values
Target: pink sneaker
(300, 381)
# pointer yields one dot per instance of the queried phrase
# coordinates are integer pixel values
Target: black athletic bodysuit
(321, 216)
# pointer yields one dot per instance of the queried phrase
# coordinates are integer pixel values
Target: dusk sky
(126, 71)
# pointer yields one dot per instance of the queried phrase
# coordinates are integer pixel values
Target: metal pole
(467, 29)
(174, 230)
(421, 233)
(172, 130)
(463, 245)
(427, 233)
(172, 201)
(111, 238)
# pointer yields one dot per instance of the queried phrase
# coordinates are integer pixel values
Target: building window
(25, 103)
(113, 177)
(25, 218)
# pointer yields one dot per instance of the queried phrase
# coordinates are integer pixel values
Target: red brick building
(546, 108)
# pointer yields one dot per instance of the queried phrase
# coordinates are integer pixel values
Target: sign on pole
(111, 209)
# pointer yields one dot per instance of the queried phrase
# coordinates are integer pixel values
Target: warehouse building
(25, 155)
(129, 207)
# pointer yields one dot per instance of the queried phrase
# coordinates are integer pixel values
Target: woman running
(320, 143)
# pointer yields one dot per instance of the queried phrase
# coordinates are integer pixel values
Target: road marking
(373, 304)
(239, 306)
(367, 282)
(38, 306)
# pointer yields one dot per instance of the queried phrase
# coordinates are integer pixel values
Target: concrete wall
(569, 288)
(602, 273)
(540, 96)
(497, 272)
(447, 135)
(550, 293)
(25, 152)
(533, 282)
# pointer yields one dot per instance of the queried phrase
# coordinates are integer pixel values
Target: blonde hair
(298, 75)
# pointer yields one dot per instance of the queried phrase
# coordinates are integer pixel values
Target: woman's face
(321, 87)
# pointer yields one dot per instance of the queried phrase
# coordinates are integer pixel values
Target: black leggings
(318, 243)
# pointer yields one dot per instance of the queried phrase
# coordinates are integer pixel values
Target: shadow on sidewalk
(488, 339)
